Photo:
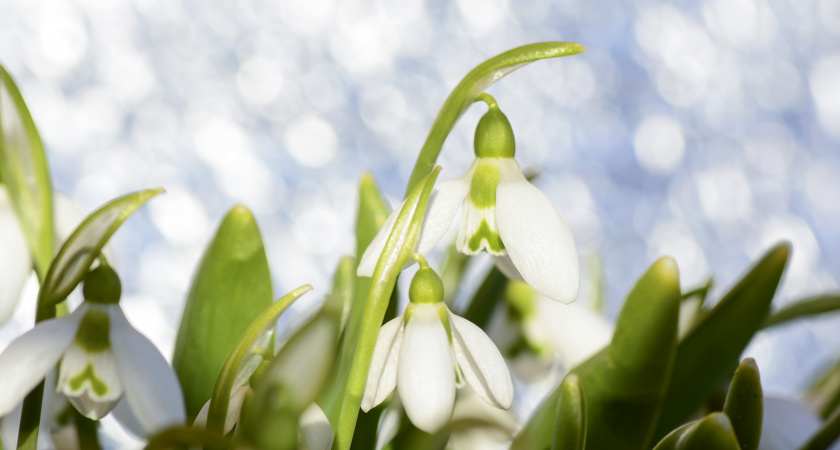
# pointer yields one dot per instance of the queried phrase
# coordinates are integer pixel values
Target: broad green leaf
(372, 212)
(75, 257)
(473, 84)
(624, 383)
(745, 404)
(245, 357)
(570, 431)
(713, 346)
(398, 248)
(24, 172)
(340, 299)
(826, 436)
(805, 308)
(230, 288)
(711, 432)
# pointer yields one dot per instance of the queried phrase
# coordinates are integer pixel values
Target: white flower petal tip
(26, 361)
(382, 377)
(481, 362)
(425, 375)
(538, 241)
(316, 432)
(151, 386)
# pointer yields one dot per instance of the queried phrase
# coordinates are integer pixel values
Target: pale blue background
(706, 130)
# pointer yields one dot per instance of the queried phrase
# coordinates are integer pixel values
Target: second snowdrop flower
(427, 352)
(102, 358)
(504, 215)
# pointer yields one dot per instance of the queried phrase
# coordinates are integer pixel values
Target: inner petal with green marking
(479, 230)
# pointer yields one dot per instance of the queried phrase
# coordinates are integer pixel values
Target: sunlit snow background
(705, 130)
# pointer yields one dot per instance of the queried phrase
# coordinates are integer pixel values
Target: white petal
(786, 424)
(444, 202)
(93, 402)
(425, 375)
(27, 360)
(504, 264)
(15, 263)
(316, 432)
(382, 376)
(374, 250)
(482, 364)
(575, 331)
(151, 387)
(537, 239)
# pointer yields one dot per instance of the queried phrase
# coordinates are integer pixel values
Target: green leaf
(473, 84)
(246, 356)
(570, 431)
(75, 257)
(372, 212)
(711, 432)
(187, 437)
(230, 288)
(805, 308)
(340, 298)
(824, 391)
(744, 404)
(486, 298)
(712, 348)
(398, 248)
(625, 382)
(24, 171)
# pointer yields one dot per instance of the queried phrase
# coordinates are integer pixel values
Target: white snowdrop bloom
(504, 215)
(102, 358)
(427, 352)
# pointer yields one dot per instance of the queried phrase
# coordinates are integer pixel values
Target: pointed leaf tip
(744, 404)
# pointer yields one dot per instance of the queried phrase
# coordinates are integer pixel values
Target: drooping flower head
(504, 215)
(102, 358)
(429, 351)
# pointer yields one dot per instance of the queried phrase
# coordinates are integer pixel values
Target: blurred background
(704, 130)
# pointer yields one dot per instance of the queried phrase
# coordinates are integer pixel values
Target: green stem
(86, 429)
(471, 86)
(397, 249)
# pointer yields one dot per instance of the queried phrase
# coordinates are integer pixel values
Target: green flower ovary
(93, 332)
(99, 387)
(482, 201)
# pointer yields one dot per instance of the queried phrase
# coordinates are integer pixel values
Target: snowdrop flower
(16, 263)
(504, 215)
(427, 352)
(102, 358)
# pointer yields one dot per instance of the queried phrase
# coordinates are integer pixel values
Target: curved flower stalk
(427, 352)
(504, 215)
(102, 358)
(16, 263)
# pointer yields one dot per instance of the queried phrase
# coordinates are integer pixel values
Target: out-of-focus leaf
(624, 383)
(290, 384)
(474, 83)
(570, 431)
(744, 404)
(24, 172)
(340, 298)
(712, 348)
(486, 298)
(711, 432)
(824, 392)
(187, 437)
(247, 357)
(827, 435)
(804, 308)
(230, 288)
(77, 254)
(372, 212)
(452, 272)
